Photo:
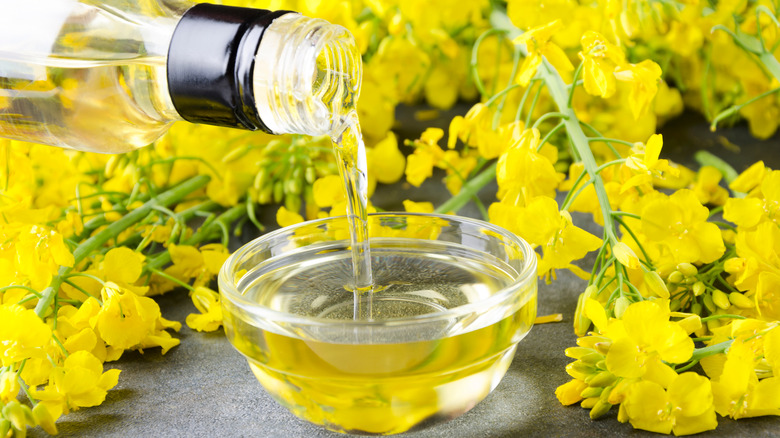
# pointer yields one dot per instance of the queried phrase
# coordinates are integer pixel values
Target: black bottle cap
(210, 64)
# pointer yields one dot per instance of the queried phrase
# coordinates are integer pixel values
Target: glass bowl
(452, 298)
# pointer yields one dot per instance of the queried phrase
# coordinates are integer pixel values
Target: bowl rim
(228, 290)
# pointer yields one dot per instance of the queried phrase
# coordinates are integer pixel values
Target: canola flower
(569, 98)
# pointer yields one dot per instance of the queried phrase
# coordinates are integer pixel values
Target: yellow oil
(350, 376)
(387, 388)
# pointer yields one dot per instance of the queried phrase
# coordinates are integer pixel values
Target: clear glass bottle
(113, 75)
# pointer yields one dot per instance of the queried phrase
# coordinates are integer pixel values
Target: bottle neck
(275, 71)
(307, 76)
(210, 63)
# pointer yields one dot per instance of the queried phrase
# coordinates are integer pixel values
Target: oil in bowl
(452, 297)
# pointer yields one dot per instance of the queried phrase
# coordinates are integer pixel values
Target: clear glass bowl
(453, 297)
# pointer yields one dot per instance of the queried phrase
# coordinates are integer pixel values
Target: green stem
(706, 158)
(700, 353)
(90, 245)
(728, 112)
(469, 189)
(725, 316)
(771, 64)
(203, 233)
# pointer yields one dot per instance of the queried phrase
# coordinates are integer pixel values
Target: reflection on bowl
(452, 298)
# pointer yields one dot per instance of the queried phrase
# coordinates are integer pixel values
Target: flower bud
(591, 391)
(708, 303)
(599, 409)
(278, 192)
(656, 284)
(696, 308)
(734, 265)
(579, 370)
(741, 301)
(44, 419)
(18, 414)
(9, 387)
(675, 277)
(234, 154)
(606, 392)
(5, 426)
(592, 358)
(690, 323)
(581, 322)
(721, 299)
(577, 352)
(588, 403)
(621, 304)
(625, 255)
(675, 305)
(266, 195)
(603, 378)
(310, 175)
(261, 177)
(698, 288)
(687, 269)
(603, 347)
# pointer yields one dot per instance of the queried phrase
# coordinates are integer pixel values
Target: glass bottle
(113, 75)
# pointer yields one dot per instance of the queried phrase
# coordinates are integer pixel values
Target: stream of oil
(351, 157)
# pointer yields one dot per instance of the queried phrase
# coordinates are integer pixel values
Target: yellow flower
(600, 58)
(208, 304)
(328, 191)
(537, 43)
(644, 162)
(476, 129)
(426, 155)
(79, 382)
(385, 162)
(685, 408)
(738, 392)
(759, 267)
(641, 337)
(125, 318)
(759, 206)
(458, 168)
(522, 169)
(418, 207)
(22, 334)
(9, 386)
(403, 65)
(569, 392)
(285, 217)
(750, 178)
(679, 223)
(40, 252)
(542, 224)
(707, 187)
(643, 78)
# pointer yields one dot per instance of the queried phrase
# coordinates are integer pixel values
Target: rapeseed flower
(537, 43)
(23, 334)
(79, 382)
(679, 224)
(685, 408)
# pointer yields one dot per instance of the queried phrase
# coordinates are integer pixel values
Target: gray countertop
(205, 388)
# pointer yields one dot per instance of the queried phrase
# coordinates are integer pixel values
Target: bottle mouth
(307, 76)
